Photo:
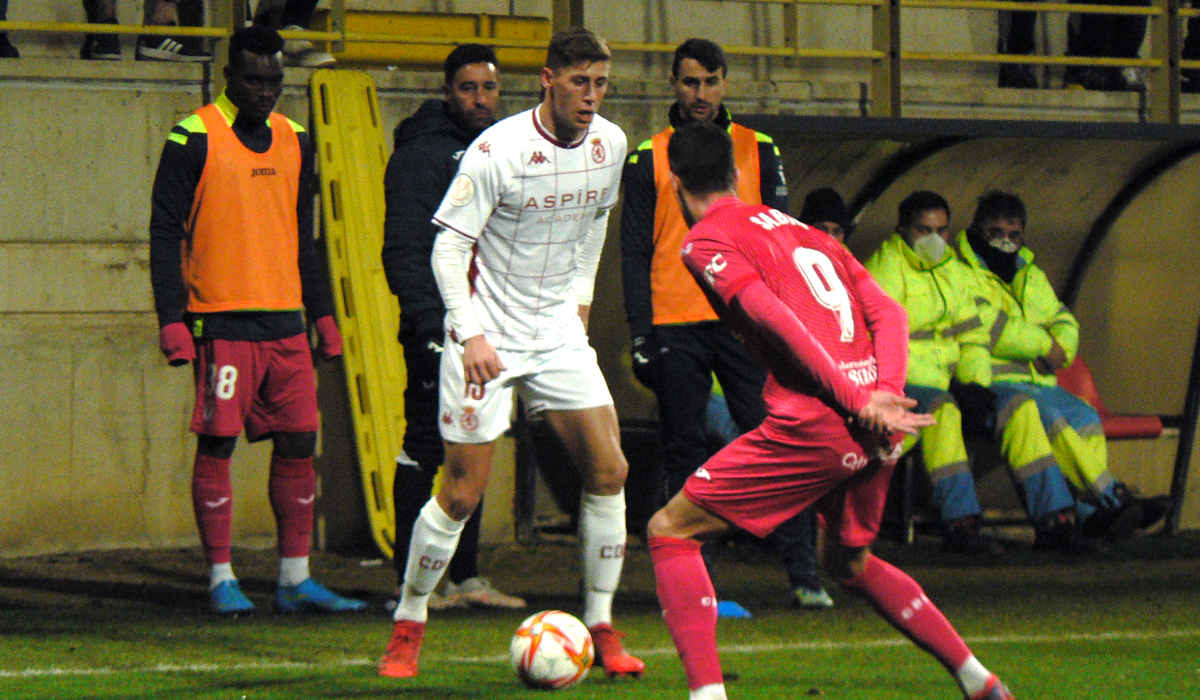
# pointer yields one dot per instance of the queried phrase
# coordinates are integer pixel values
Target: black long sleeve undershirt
(179, 170)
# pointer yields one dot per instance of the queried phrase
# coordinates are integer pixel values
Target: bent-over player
(836, 348)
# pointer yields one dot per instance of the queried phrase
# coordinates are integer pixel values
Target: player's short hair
(466, 55)
(996, 204)
(706, 53)
(917, 202)
(700, 153)
(572, 47)
(258, 39)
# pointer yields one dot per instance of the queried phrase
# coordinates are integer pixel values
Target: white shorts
(566, 378)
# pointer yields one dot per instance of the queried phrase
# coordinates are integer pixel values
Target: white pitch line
(661, 651)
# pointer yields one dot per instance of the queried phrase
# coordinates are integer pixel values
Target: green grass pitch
(1121, 624)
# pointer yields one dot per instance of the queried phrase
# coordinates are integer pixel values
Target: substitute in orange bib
(235, 273)
(678, 345)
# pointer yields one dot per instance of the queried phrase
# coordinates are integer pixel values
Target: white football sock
(293, 570)
(434, 539)
(602, 551)
(220, 573)
(972, 677)
(715, 691)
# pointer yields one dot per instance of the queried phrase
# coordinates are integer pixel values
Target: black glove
(647, 355)
(977, 403)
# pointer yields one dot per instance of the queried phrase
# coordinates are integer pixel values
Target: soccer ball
(551, 650)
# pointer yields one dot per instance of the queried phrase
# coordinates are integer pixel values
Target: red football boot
(403, 649)
(611, 655)
(994, 690)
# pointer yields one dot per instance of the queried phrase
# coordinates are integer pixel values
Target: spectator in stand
(7, 50)
(150, 47)
(1190, 77)
(293, 16)
(1016, 37)
(1107, 36)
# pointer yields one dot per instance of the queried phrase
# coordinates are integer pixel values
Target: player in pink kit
(835, 346)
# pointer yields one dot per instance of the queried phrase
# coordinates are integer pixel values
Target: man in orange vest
(678, 342)
(235, 274)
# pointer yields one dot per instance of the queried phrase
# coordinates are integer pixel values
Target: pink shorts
(773, 472)
(264, 386)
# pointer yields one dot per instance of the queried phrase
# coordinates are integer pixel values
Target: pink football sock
(689, 606)
(292, 486)
(212, 502)
(904, 604)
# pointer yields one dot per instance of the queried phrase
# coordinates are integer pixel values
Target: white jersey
(529, 201)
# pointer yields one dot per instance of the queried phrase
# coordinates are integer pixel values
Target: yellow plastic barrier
(459, 28)
(351, 158)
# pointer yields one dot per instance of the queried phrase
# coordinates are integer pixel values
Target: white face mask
(1004, 245)
(931, 247)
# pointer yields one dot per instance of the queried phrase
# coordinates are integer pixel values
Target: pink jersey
(859, 335)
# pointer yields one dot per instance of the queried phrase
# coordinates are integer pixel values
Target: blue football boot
(310, 596)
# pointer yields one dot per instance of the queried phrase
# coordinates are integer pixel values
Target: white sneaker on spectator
(312, 59)
(437, 601)
(479, 592)
(165, 48)
(295, 47)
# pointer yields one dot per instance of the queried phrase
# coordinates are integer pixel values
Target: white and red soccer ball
(551, 650)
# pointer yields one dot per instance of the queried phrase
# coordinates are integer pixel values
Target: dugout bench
(909, 509)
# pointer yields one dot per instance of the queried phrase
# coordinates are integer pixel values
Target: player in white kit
(523, 224)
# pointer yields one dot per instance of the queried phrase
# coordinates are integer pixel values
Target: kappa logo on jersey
(598, 152)
(462, 190)
(702, 473)
(469, 420)
(485, 147)
(567, 199)
(714, 267)
(538, 159)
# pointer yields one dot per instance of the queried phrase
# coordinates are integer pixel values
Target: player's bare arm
(481, 363)
(886, 413)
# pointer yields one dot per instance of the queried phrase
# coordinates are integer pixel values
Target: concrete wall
(96, 425)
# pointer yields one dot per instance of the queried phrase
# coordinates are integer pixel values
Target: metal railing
(886, 55)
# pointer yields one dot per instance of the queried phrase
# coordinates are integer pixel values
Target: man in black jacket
(428, 145)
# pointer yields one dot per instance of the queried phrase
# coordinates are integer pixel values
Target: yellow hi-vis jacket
(1029, 317)
(947, 336)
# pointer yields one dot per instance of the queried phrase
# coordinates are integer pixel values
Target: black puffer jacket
(428, 145)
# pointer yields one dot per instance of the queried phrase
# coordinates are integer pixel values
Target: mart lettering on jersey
(861, 372)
